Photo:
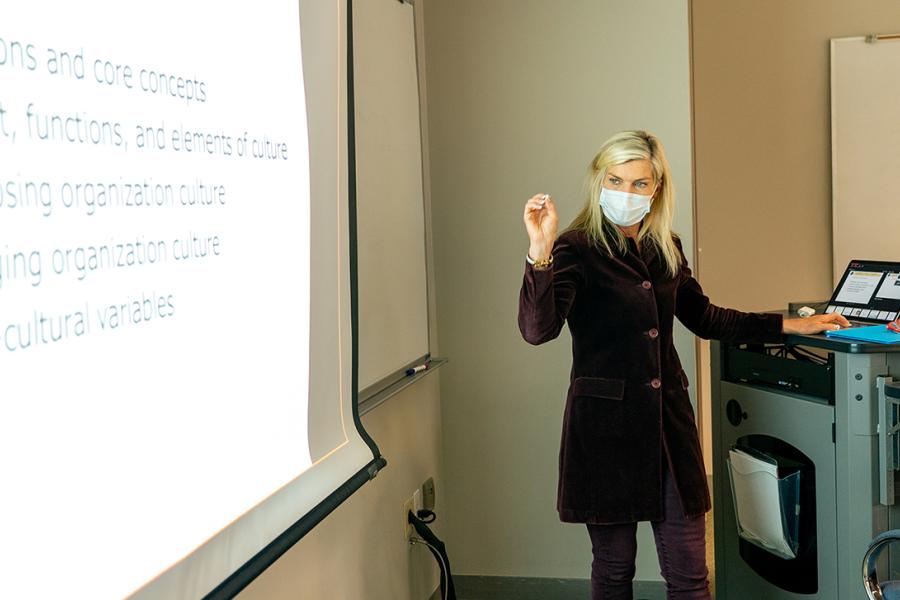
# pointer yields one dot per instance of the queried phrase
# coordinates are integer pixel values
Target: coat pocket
(684, 379)
(598, 387)
(597, 413)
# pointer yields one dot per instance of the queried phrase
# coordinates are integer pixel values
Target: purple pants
(680, 544)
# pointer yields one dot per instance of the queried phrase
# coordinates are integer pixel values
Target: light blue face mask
(623, 208)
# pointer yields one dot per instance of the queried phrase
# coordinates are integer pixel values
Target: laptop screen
(869, 291)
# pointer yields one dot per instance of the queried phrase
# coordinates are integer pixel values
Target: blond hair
(657, 225)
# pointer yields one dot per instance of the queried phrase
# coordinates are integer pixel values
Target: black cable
(809, 353)
(415, 540)
(426, 515)
(436, 546)
(803, 354)
(798, 353)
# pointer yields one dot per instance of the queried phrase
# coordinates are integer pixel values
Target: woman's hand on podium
(815, 324)
(541, 222)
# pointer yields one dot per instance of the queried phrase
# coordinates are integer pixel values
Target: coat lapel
(634, 260)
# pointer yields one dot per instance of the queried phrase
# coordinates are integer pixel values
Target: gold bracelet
(543, 264)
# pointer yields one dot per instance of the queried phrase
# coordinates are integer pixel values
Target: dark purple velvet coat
(627, 408)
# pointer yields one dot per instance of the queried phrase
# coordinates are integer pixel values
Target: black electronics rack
(781, 366)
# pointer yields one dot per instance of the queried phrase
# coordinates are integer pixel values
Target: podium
(814, 418)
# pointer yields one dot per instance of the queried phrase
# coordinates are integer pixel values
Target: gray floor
(537, 588)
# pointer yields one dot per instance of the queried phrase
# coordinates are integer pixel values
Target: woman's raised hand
(541, 222)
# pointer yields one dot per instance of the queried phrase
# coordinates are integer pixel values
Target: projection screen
(176, 287)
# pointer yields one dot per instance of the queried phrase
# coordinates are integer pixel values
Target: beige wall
(521, 95)
(762, 151)
(358, 551)
(762, 134)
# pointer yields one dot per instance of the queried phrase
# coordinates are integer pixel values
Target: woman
(630, 450)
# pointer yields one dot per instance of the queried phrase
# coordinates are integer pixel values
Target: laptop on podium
(868, 293)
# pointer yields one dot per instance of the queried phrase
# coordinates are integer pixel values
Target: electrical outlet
(417, 501)
(428, 494)
(407, 526)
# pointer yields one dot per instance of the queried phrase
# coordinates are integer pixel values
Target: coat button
(653, 333)
(646, 285)
(656, 383)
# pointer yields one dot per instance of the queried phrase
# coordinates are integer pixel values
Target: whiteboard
(865, 149)
(392, 276)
